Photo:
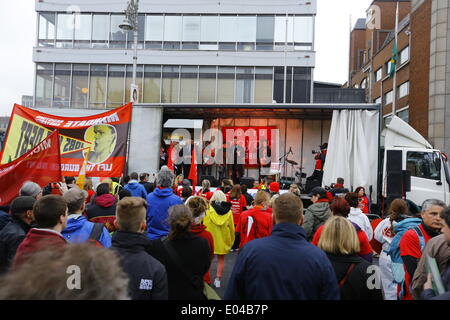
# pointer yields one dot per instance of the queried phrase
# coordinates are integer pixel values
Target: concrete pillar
(145, 139)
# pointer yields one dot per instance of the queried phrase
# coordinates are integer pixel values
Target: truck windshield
(422, 165)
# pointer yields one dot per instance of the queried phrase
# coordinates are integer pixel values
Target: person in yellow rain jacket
(219, 222)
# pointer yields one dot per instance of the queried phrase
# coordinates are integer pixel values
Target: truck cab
(412, 167)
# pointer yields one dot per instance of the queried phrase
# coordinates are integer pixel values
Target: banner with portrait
(105, 134)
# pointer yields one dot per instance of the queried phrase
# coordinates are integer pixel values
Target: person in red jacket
(257, 222)
(50, 213)
(363, 201)
(205, 191)
(412, 242)
(238, 204)
(340, 207)
(199, 206)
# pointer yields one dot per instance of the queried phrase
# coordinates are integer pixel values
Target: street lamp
(131, 24)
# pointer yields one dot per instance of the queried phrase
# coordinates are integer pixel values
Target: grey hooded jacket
(315, 216)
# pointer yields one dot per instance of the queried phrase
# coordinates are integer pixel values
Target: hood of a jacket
(320, 209)
(105, 200)
(163, 193)
(129, 240)
(74, 224)
(407, 224)
(133, 185)
(219, 219)
(198, 228)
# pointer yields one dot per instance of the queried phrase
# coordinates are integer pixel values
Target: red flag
(42, 165)
(193, 172)
(169, 157)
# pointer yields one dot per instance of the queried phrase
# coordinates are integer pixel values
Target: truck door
(427, 181)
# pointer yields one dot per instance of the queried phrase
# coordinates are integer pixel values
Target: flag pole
(394, 100)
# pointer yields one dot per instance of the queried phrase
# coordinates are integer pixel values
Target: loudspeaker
(311, 184)
(249, 182)
(214, 182)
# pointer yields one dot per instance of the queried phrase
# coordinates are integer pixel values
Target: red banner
(41, 165)
(105, 133)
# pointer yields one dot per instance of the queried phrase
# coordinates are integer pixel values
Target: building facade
(228, 52)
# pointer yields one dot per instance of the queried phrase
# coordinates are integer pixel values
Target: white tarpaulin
(353, 149)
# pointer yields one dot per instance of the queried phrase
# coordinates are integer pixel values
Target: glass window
(116, 86)
(422, 165)
(403, 90)
(377, 100)
(47, 29)
(129, 81)
(404, 115)
(207, 85)
(404, 55)
(228, 32)
(117, 36)
(44, 85)
(83, 27)
(80, 86)
(100, 31)
(61, 91)
(64, 31)
(152, 84)
(191, 28)
(97, 86)
(388, 97)
(225, 84)
(244, 84)
(388, 67)
(154, 31)
(188, 90)
(303, 29)
(209, 33)
(280, 31)
(170, 84)
(263, 84)
(363, 83)
(301, 92)
(278, 85)
(246, 35)
(265, 26)
(172, 32)
(378, 74)
(140, 34)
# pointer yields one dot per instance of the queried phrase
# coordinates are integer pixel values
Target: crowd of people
(135, 239)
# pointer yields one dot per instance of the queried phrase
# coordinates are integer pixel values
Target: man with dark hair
(317, 213)
(283, 266)
(13, 234)
(103, 208)
(144, 181)
(148, 277)
(136, 189)
(79, 229)
(50, 213)
(338, 187)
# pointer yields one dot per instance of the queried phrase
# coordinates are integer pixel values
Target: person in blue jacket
(136, 189)
(158, 204)
(284, 265)
(79, 229)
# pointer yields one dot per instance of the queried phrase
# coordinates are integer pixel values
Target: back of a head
(398, 208)
(88, 184)
(48, 210)
(340, 207)
(102, 188)
(180, 221)
(30, 189)
(186, 192)
(227, 182)
(75, 199)
(143, 176)
(69, 180)
(288, 208)
(262, 197)
(236, 192)
(21, 205)
(131, 213)
(198, 206)
(125, 180)
(206, 184)
(165, 177)
(218, 196)
(134, 176)
(294, 189)
(123, 193)
(445, 215)
(352, 199)
(53, 275)
(339, 237)
(340, 181)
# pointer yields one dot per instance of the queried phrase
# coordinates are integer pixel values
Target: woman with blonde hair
(355, 275)
(89, 189)
(219, 221)
(295, 190)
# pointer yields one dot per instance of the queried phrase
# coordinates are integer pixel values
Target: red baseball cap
(274, 187)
